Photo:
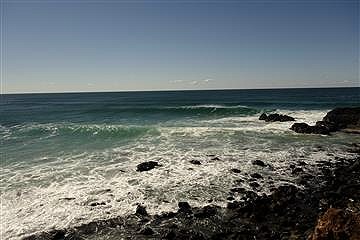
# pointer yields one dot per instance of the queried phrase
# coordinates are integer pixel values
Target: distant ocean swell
(203, 110)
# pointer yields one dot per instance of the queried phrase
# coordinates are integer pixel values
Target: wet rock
(235, 170)
(306, 128)
(337, 224)
(141, 210)
(263, 116)
(195, 162)
(184, 207)
(335, 120)
(275, 117)
(343, 117)
(256, 175)
(147, 231)
(259, 163)
(93, 204)
(146, 166)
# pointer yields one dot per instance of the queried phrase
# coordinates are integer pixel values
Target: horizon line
(172, 90)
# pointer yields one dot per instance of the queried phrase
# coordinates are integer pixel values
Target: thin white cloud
(193, 82)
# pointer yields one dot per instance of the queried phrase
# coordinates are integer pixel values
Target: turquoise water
(75, 145)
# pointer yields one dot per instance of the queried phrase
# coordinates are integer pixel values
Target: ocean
(62, 152)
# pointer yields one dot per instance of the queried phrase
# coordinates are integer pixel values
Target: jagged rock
(263, 116)
(275, 117)
(337, 224)
(146, 166)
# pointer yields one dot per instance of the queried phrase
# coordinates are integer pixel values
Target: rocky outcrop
(346, 119)
(275, 117)
(337, 224)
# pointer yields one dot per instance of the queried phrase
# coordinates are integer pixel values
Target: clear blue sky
(53, 46)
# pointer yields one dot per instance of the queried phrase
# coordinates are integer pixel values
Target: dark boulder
(141, 210)
(275, 117)
(195, 162)
(259, 163)
(306, 128)
(184, 207)
(343, 117)
(146, 166)
(235, 170)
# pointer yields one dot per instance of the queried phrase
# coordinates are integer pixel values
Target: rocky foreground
(330, 200)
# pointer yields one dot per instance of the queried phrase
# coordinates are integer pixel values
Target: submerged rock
(275, 117)
(146, 166)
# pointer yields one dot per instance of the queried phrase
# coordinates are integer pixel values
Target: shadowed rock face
(335, 120)
(275, 118)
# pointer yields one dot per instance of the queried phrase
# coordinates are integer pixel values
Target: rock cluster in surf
(346, 119)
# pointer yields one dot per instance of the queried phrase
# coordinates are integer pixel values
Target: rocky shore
(325, 205)
(288, 212)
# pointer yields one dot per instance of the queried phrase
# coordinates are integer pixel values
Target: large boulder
(343, 117)
(275, 117)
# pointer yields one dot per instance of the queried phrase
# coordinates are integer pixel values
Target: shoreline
(288, 212)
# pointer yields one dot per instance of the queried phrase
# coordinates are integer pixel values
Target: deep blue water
(165, 105)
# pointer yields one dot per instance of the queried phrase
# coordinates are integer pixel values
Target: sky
(94, 45)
